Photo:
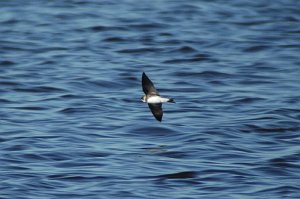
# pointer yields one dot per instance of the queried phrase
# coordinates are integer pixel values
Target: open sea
(72, 124)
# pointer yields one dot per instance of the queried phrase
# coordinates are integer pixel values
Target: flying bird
(153, 98)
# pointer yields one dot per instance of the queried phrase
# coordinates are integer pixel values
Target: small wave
(10, 83)
(7, 63)
(148, 26)
(247, 100)
(195, 58)
(256, 48)
(178, 175)
(254, 82)
(40, 89)
(185, 49)
(173, 154)
(141, 50)
(253, 22)
(280, 190)
(31, 108)
(283, 163)
(5, 101)
(214, 74)
(72, 177)
(33, 157)
(155, 131)
(70, 96)
(17, 147)
(48, 62)
(260, 129)
(114, 39)
(103, 84)
(73, 110)
(101, 28)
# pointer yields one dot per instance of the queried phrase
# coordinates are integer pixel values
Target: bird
(153, 98)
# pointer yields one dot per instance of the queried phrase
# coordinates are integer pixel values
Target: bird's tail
(171, 100)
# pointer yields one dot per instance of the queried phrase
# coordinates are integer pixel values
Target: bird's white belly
(156, 99)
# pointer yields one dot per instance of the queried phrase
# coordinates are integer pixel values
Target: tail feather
(171, 100)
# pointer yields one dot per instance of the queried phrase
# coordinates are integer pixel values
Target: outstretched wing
(148, 86)
(156, 110)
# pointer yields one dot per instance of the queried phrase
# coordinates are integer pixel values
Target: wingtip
(158, 119)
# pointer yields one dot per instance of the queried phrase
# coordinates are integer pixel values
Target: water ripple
(73, 125)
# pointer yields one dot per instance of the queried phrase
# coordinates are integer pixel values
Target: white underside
(157, 99)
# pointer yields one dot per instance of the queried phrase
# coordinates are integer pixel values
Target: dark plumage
(153, 98)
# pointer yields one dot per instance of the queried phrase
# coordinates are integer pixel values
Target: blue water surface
(73, 126)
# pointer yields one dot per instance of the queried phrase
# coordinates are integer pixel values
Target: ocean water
(72, 124)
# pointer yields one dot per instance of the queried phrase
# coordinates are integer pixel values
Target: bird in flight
(153, 98)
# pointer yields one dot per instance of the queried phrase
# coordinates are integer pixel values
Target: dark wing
(156, 110)
(148, 86)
